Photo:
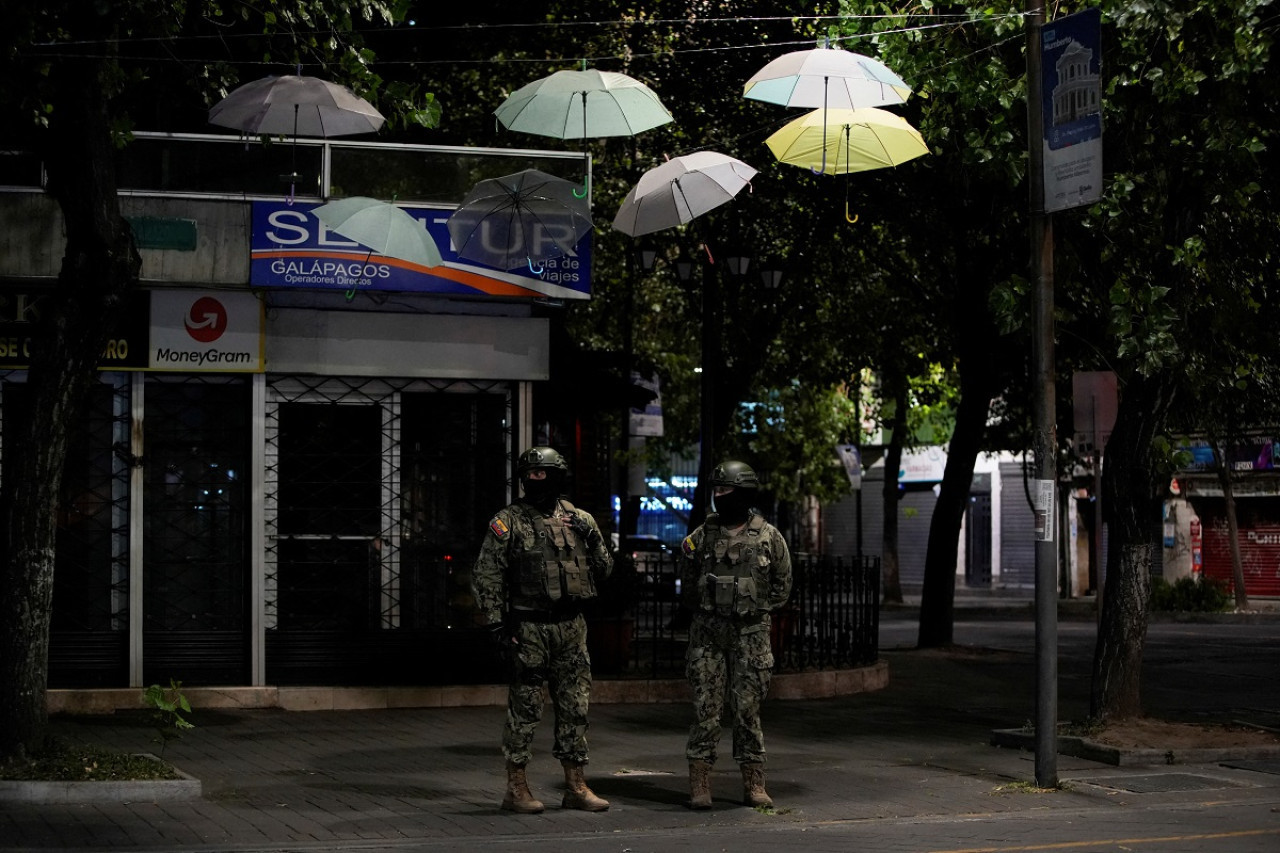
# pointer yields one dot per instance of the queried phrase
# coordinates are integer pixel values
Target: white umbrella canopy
(826, 77)
(681, 189)
(580, 104)
(382, 227)
(297, 105)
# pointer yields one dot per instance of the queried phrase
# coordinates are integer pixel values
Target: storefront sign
(125, 348)
(292, 249)
(201, 332)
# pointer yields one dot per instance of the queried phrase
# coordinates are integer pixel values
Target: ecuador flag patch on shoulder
(499, 527)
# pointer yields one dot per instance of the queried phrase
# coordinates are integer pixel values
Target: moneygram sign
(291, 248)
(194, 332)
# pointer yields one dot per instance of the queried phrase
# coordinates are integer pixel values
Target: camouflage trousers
(727, 662)
(555, 653)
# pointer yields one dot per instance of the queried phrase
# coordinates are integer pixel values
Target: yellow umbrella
(843, 141)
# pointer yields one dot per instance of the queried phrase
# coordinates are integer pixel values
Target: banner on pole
(1071, 92)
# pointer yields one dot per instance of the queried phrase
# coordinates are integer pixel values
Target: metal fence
(831, 621)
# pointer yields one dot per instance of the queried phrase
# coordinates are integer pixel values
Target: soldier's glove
(588, 534)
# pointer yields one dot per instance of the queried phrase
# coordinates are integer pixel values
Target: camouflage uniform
(731, 580)
(534, 573)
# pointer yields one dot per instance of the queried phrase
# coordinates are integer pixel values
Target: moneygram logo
(206, 320)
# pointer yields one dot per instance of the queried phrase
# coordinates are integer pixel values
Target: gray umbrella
(292, 104)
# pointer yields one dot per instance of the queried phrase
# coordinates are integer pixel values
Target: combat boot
(578, 795)
(699, 785)
(519, 798)
(753, 793)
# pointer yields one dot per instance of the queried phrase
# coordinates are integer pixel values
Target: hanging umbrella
(826, 77)
(294, 104)
(853, 140)
(298, 105)
(382, 227)
(580, 104)
(681, 189)
(525, 218)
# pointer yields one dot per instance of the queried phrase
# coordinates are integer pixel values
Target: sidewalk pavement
(911, 762)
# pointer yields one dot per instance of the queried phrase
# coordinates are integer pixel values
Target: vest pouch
(745, 599)
(551, 572)
(724, 593)
(573, 580)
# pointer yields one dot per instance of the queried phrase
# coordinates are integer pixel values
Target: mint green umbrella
(582, 104)
(384, 228)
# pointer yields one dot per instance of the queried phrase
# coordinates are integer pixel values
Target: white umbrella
(826, 77)
(681, 189)
(382, 227)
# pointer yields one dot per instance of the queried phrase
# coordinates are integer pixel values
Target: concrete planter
(150, 791)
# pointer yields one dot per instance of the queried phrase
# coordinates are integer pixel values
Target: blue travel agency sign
(291, 248)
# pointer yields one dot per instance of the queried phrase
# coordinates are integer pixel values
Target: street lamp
(736, 267)
(771, 278)
(644, 258)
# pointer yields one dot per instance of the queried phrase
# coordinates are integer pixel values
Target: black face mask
(735, 507)
(544, 493)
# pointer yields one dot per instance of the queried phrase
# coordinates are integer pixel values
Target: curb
(817, 684)
(186, 787)
(1078, 747)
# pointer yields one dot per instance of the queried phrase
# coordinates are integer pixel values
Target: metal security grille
(831, 620)
(195, 543)
(89, 622)
(375, 498)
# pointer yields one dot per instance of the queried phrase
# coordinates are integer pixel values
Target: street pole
(1046, 569)
(710, 356)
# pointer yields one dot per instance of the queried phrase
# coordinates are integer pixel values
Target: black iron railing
(831, 620)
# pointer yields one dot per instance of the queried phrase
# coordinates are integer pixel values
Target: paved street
(909, 768)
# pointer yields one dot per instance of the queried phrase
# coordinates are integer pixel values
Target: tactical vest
(734, 566)
(551, 563)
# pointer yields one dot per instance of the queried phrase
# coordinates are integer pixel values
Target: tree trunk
(895, 388)
(100, 265)
(1133, 487)
(1233, 526)
(937, 601)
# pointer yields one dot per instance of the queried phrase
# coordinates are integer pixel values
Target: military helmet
(738, 475)
(540, 457)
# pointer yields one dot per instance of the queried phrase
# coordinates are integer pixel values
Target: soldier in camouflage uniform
(541, 560)
(735, 569)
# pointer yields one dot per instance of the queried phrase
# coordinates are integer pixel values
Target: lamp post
(629, 493)
(736, 266)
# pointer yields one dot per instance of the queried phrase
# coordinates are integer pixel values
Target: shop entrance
(377, 495)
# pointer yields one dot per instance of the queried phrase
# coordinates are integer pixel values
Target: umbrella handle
(582, 194)
(536, 270)
(846, 213)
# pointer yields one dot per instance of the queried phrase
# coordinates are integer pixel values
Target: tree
(1183, 245)
(74, 74)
